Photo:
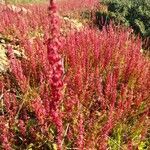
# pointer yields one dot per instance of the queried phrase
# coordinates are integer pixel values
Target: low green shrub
(134, 14)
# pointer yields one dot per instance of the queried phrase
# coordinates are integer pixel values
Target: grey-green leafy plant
(133, 13)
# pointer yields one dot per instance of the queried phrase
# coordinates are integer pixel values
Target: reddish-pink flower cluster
(39, 110)
(105, 87)
(4, 131)
(54, 58)
(16, 69)
(56, 82)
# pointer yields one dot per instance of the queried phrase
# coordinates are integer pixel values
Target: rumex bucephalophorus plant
(89, 91)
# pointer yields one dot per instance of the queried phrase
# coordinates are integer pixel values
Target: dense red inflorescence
(74, 94)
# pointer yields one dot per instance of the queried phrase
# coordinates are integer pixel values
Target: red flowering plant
(107, 75)
(96, 98)
(33, 85)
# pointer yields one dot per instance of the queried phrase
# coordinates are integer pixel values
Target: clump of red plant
(73, 5)
(109, 77)
(37, 84)
(103, 84)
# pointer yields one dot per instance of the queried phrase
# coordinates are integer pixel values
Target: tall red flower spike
(56, 82)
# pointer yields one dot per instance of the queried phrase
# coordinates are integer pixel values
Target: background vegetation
(25, 1)
(131, 13)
